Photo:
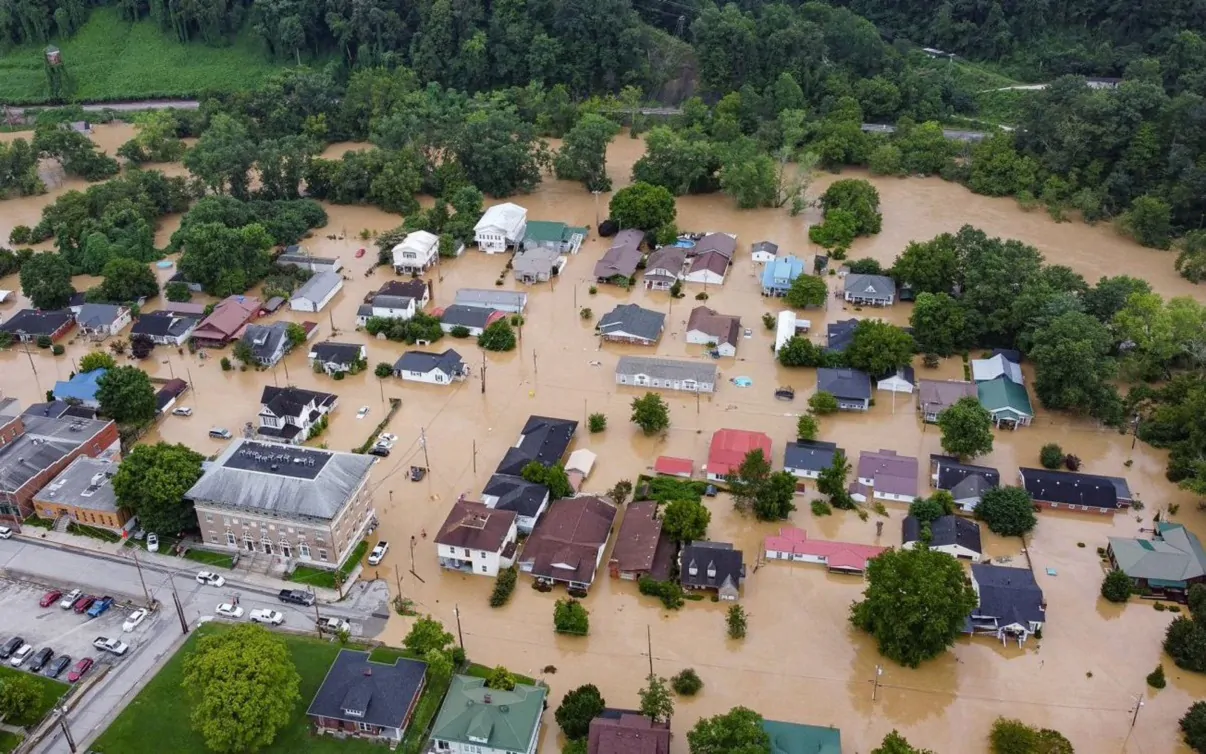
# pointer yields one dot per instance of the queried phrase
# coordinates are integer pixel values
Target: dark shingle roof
(945, 532)
(728, 563)
(34, 322)
(838, 335)
(423, 362)
(570, 533)
(545, 439)
(383, 693)
(964, 480)
(516, 494)
(844, 383)
(467, 316)
(813, 455)
(336, 353)
(290, 401)
(163, 323)
(633, 320)
(1069, 488)
(1011, 595)
(473, 525)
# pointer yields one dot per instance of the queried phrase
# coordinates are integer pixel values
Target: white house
(788, 326)
(903, 380)
(527, 500)
(764, 252)
(502, 226)
(287, 414)
(99, 321)
(476, 539)
(956, 536)
(389, 307)
(710, 328)
(417, 252)
(165, 328)
(316, 293)
(333, 357)
(432, 368)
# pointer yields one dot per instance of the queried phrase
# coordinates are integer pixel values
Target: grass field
(217, 559)
(110, 59)
(8, 741)
(50, 689)
(321, 577)
(160, 712)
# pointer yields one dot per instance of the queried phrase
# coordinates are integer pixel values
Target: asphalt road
(50, 566)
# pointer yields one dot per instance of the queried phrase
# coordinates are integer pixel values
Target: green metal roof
(1173, 558)
(475, 715)
(1003, 394)
(544, 231)
(794, 738)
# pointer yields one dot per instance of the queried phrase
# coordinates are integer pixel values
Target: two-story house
(165, 328)
(418, 251)
(268, 343)
(432, 368)
(664, 268)
(501, 227)
(360, 698)
(287, 414)
(100, 321)
(477, 539)
(568, 542)
(387, 307)
(777, 276)
(477, 720)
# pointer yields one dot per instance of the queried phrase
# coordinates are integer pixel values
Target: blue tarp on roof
(81, 387)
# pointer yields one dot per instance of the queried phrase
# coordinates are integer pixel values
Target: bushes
(1117, 586)
(1155, 679)
(383, 369)
(504, 585)
(459, 331)
(498, 336)
(821, 508)
(570, 617)
(823, 403)
(669, 592)
(686, 683)
(1051, 456)
(597, 423)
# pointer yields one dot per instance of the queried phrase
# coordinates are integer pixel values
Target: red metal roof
(846, 556)
(730, 446)
(671, 466)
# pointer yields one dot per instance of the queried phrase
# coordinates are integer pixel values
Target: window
(304, 550)
(483, 568)
(365, 727)
(230, 539)
(466, 552)
(322, 555)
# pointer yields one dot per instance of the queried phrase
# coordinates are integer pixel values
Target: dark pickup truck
(296, 597)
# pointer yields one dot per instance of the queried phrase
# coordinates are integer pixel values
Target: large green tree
(426, 634)
(879, 348)
(223, 260)
(807, 290)
(643, 206)
(650, 413)
(858, 197)
(966, 429)
(915, 604)
(577, 709)
(656, 701)
(46, 281)
(1193, 727)
(1010, 736)
(223, 156)
(242, 687)
(1008, 511)
(894, 743)
(499, 152)
(738, 731)
(1074, 363)
(151, 483)
(20, 696)
(685, 520)
(939, 324)
(583, 154)
(125, 395)
(126, 280)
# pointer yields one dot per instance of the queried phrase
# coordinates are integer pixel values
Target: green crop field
(110, 59)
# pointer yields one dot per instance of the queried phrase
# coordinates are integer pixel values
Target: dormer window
(692, 569)
(711, 571)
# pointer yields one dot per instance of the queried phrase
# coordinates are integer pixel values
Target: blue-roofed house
(777, 275)
(80, 389)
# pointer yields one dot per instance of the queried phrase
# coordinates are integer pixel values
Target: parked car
(152, 542)
(380, 451)
(220, 433)
(210, 579)
(83, 603)
(136, 618)
(10, 646)
(386, 441)
(359, 253)
(40, 659)
(80, 668)
(182, 411)
(296, 597)
(111, 645)
(270, 617)
(69, 599)
(227, 610)
(100, 606)
(51, 597)
(6, 533)
(21, 655)
(378, 554)
(58, 666)
(362, 412)
(329, 625)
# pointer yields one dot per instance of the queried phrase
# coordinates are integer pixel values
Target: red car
(50, 598)
(78, 670)
(83, 603)
(359, 253)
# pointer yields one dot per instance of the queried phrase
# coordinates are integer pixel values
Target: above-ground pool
(164, 264)
(685, 243)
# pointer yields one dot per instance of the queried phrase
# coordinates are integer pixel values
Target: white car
(271, 617)
(227, 610)
(69, 598)
(182, 411)
(6, 533)
(152, 543)
(135, 620)
(21, 655)
(333, 625)
(378, 553)
(211, 579)
(363, 412)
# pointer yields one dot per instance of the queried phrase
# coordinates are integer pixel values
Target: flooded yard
(801, 660)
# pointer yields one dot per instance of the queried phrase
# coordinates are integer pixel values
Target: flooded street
(801, 661)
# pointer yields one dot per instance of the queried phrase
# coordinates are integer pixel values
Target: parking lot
(64, 631)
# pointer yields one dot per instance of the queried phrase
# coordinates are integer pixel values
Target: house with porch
(884, 475)
(368, 700)
(331, 357)
(664, 268)
(869, 290)
(629, 323)
(28, 325)
(777, 275)
(936, 396)
(226, 321)
(1007, 401)
(537, 264)
(476, 720)
(1011, 604)
(666, 374)
(956, 536)
(851, 387)
(1168, 564)
(794, 545)
(100, 321)
(418, 251)
(714, 567)
(806, 459)
(710, 258)
(708, 327)
(501, 227)
(619, 263)
(568, 542)
(288, 414)
(431, 368)
(556, 236)
(967, 483)
(477, 539)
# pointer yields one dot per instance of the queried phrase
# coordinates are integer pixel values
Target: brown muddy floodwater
(801, 661)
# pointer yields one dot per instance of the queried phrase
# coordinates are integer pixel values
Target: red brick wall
(23, 498)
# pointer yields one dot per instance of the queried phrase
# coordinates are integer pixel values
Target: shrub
(571, 617)
(821, 508)
(459, 331)
(701, 296)
(686, 682)
(383, 369)
(504, 585)
(736, 622)
(226, 366)
(1117, 586)
(593, 290)
(1159, 606)
(57, 350)
(669, 592)
(768, 321)
(339, 375)
(931, 360)
(823, 403)
(44, 341)
(586, 313)
(1051, 456)
(597, 423)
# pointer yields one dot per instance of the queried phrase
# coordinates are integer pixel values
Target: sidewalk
(117, 551)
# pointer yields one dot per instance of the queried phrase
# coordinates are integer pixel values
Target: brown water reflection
(801, 660)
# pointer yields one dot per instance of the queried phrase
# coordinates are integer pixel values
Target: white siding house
(475, 539)
(317, 292)
(431, 368)
(417, 252)
(389, 307)
(502, 226)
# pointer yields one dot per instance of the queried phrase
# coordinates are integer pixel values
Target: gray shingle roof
(1011, 595)
(844, 383)
(449, 362)
(813, 455)
(98, 315)
(319, 287)
(944, 532)
(667, 369)
(870, 286)
(516, 494)
(383, 693)
(335, 353)
(633, 320)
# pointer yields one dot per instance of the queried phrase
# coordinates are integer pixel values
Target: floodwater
(801, 660)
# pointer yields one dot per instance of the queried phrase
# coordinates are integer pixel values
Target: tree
(686, 682)
(620, 492)
(939, 324)
(1016, 737)
(571, 617)
(927, 510)
(806, 290)
(915, 604)
(151, 483)
(177, 291)
(19, 696)
(383, 369)
(836, 233)
(860, 199)
(894, 743)
(583, 155)
(553, 477)
(774, 501)
(1117, 586)
(126, 396)
(96, 360)
(822, 403)
(439, 664)
(747, 481)
(879, 348)
(650, 413)
(243, 687)
(46, 281)
(223, 156)
(597, 422)
(802, 352)
(1193, 727)
(499, 152)
(736, 622)
(657, 703)
(738, 731)
(1073, 361)
(243, 351)
(1008, 511)
(807, 427)
(577, 709)
(643, 206)
(126, 280)
(1156, 678)
(1197, 602)
(966, 428)
(296, 334)
(1149, 222)
(1107, 298)
(498, 336)
(427, 634)
(685, 520)
(1185, 642)
(933, 266)
(832, 480)
(500, 678)
(1051, 456)
(224, 261)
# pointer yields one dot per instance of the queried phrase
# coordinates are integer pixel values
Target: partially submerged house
(331, 357)
(707, 327)
(763, 252)
(641, 548)
(797, 738)
(630, 323)
(1068, 490)
(788, 326)
(956, 536)
(511, 302)
(288, 414)
(618, 731)
(474, 719)
(936, 396)
(884, 475)
(100, 321)
(543, 439)
(795, 545)
(81, 389)
(28, 325)
(967, 483)
(226, 321)
(806, 459)
(839, 335)
(559, 237)
(1010, 605)
(567, 544)
(383, 306)
(431, 368)
(666, 374)
(472, 318)
(477, 539)
(999, 365)
(869, 290)
(1007, 401)
(416, 288)
(903, 380)
(664, 268)
(316, 292)
(710, 259)
(730, 447)
(165, 328)
(296, 256)
(714, 567)
(851, 387)
(268, 343)
(537, 264)
(1168, 564)
(683, 468)
(527, 500)
(778, 274)
(619, 263)
(418, 251)
(501, 227)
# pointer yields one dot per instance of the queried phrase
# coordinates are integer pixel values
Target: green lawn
(8, 741)
(217, 559)
(160, 712)
(50, 689)
(83, 530)
(110, 59)
(322, 577)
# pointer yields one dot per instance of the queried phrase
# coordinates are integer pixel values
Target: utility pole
(1138, 706)
(191, 384)
(412, 553)
(66, 730)
(879, 670)
(535, 371)
(649, 643)
(142, 581)
(398, 578)
(475, 457)
(423, 444)
(483, 372)
(317, 618)
(596, 193)
(285, 364)
(460, 637)
(381, 387)
(179, 608)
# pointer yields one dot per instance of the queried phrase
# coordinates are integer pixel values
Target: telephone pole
(879, 670)
(66, 731)
(142, 581)
(398, 578)
(475, 457)
(460, 637)
(317, 618)
(179, 608)
(649, 643)
(535, 370)
(1138, 706)
(423, 444)
(483, 372)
